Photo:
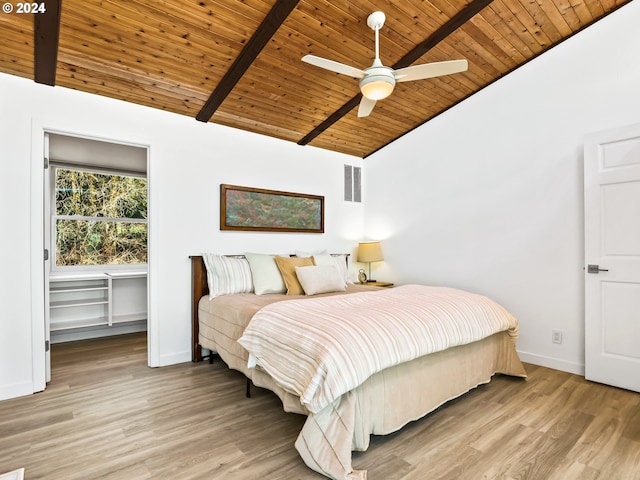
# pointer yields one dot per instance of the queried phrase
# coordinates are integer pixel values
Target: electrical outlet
(556, 336)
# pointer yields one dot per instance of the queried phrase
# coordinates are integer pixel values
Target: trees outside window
(99, 218)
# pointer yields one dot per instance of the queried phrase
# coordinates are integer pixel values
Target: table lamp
(369, 252)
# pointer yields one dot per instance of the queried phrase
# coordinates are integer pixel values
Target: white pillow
(302, 254)
(340, 261)
(320, 279)
(266, 275)
(227, 275)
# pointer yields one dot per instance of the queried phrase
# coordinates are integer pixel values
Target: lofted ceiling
(237, 63)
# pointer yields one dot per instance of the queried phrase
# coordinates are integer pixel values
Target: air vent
(348, 183)
(357, 184)
(352, 184)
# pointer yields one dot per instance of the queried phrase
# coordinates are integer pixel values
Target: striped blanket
(321, 348)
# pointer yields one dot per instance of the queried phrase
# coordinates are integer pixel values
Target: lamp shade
(376, 88)
(379, 81)
(369, 252)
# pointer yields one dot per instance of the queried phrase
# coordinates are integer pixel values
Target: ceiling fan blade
(430, 70)
(334, 66)
(366, 106)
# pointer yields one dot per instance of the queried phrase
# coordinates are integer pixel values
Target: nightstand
(378, 284)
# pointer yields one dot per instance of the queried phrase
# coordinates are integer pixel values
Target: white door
(612, 257)
(47, 258)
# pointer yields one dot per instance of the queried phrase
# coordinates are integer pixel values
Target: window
(98, 217)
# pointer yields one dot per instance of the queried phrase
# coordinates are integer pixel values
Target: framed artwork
(256, 209)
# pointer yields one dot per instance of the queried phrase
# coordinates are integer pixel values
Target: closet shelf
(68, 325)
(96, 299)
(64, 289)
(79, 303)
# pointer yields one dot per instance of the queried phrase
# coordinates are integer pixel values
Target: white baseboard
(550, 362)
(173, 358)
(16, 390)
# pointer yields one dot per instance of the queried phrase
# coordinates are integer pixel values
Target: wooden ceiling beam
(271, 23)
(46, 33)
(455, 22)
(418, 51)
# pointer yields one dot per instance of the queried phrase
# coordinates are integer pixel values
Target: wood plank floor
(106, 415)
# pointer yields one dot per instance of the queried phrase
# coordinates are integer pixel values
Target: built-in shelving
(96, 299)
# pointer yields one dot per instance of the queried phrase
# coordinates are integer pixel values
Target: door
(612, 257)
(47, 260)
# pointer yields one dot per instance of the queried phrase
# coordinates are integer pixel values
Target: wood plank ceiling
(237, 63)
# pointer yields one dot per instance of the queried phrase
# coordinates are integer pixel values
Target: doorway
(95, 237)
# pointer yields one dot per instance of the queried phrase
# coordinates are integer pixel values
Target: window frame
(53, 217)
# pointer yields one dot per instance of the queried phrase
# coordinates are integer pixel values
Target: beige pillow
(320, 279)
(287, 270)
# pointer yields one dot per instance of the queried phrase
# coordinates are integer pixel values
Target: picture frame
(260, 210)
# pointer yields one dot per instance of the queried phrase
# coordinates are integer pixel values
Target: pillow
(320, 279)
(302, 254)
(340, 261)
(227, 275)
(265, 274)
(288, 272)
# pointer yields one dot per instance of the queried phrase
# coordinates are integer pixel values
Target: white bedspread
(319, 349)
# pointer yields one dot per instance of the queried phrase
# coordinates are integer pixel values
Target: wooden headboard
(199, 288)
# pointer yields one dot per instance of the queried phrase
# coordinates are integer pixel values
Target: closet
(96, 238)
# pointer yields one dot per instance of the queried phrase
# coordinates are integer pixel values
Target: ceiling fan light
(377, 87)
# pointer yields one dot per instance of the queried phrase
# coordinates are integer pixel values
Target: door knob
(595, 269)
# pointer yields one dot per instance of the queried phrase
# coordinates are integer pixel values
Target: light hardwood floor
(106, 415)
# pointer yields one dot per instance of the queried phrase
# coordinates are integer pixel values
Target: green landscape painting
(244, 208)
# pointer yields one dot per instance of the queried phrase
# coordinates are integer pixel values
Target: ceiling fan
(377, 81)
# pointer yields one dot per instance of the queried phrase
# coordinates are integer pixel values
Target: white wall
(491, 192)
(188, 162)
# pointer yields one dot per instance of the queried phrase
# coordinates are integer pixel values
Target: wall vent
(352, 184)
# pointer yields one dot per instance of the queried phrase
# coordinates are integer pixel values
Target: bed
(403, 390)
